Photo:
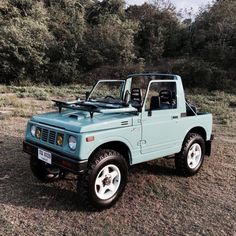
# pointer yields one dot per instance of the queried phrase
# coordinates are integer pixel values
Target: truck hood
(81, 122)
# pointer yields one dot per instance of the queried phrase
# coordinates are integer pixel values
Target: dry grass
(220, 104)
(156, 201)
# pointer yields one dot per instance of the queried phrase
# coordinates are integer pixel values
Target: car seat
(155, 103)
(165, 99)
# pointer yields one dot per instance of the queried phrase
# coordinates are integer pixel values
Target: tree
(24, 40)
(215, 33)
(67, 24)
(96, 13)
(58, 41)
(109, 35)
(158, 28)
(110, 42)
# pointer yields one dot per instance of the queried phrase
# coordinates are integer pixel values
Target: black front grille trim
(45, 135)
(52, 137)
(49, 136)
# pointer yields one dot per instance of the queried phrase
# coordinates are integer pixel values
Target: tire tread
(180, 159)
(83, 181)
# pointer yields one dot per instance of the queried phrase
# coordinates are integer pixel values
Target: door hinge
(139, 121)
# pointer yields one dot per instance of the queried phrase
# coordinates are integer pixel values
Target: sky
(194, 4)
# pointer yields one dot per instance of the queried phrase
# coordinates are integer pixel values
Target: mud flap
(208, 146)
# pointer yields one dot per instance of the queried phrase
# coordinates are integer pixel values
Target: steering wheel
(108, 96)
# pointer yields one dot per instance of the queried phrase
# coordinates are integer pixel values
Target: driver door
(160, 119)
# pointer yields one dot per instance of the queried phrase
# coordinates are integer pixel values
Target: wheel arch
(198, 130)
(202, 132)
(118, 146)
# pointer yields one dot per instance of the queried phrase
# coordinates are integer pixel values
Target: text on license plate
(45, 156)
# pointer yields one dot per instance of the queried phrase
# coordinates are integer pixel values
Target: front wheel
(104, 181)
(190, 159)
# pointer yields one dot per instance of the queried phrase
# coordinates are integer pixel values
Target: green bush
(197, 73)
(40, 94)
(68, 41)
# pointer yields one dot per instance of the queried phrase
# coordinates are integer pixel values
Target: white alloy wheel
(194, 156)
(107, 182)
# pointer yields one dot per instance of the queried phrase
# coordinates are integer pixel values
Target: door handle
(174, 117)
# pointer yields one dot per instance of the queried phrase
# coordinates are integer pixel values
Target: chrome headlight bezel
(72, 142)
(33, 130)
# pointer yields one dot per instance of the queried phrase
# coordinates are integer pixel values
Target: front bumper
(63, 162)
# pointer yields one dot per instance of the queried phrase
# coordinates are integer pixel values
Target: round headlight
(72, 142)
(32, 130)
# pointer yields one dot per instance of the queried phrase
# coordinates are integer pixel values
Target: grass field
(156, 200)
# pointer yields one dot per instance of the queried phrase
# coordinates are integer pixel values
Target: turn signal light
(59, 139)
(90, 139)
(38, 133)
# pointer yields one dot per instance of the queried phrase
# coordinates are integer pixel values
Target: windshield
(108, 91)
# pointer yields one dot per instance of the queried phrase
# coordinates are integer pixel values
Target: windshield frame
(107, 81)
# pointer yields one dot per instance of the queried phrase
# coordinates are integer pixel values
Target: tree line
(78, 41)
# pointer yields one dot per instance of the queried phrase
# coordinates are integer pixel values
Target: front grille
(52, 137)
(49, 136)
(45, 135)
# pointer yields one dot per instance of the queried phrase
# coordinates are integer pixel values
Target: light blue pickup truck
(120, 123)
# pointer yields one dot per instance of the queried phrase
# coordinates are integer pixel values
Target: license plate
(45, 156)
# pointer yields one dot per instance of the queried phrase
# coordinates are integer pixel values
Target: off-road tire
(181, 158)
(86, 182)
(42, 171)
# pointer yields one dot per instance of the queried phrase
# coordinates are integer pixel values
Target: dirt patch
(156, 200)
(227, 140)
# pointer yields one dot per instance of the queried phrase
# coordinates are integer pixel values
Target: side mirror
(87, 95)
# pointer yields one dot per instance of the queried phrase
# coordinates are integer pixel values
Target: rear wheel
(104, 181)
(189, 161)
(43, 171)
